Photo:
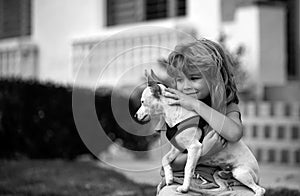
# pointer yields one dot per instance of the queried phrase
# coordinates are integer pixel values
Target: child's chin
(194, 95)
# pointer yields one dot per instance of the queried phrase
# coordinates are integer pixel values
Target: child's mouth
(192, 94)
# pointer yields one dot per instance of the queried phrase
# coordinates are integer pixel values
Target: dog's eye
(142, 102)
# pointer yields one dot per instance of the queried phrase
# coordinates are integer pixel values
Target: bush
(36, 121)
(282, 192)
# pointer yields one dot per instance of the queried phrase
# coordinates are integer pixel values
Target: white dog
(235, 155)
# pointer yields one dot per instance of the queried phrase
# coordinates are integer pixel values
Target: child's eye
(179, 79)
(195, 78)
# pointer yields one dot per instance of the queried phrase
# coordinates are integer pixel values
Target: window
(287, 110)
(254, 131)
(156, 9)
(130, 11)
(267, 131)
(15, 18)
(292, 39)
(284, 156)
(295, 132)
(181, 8)
(271, 155)
(297, 156)
(122, 11)
(281, 132)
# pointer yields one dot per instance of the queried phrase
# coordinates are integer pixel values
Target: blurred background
(45, 45)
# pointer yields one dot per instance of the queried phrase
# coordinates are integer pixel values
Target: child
(204, 83)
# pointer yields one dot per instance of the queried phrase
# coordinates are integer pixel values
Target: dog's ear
(155, 77)
(156, 90)
(153, 84)
(169, 82)
(150, 80)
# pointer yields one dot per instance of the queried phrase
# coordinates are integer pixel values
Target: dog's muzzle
(143, 119)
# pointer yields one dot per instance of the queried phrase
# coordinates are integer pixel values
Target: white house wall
(272, 59)
(244, 31)
(205, 16)
(122, 58)
(261, 31)
(55, 22)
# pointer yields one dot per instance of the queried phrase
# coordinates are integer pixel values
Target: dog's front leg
(167, 159)
(194, 152)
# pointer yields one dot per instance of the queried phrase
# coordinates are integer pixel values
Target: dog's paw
(182, 189)
(260, 192)
(169, 180)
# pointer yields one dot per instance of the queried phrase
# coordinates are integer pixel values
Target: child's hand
(179, 98)
(213, 143)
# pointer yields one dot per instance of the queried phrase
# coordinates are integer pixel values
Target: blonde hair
(209, 59)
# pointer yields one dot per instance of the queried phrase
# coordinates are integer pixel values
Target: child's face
(193, 84)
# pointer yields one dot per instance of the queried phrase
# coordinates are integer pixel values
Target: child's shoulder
(232, 107)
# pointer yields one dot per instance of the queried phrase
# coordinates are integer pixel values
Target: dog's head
(151, 100)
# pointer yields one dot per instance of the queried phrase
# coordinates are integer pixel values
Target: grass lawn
(57, 177)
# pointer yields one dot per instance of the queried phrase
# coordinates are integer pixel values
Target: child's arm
(229, 127)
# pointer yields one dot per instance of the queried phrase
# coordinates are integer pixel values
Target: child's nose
(186, 84)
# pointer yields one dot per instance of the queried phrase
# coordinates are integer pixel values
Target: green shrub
(282, 192)
(36, 120)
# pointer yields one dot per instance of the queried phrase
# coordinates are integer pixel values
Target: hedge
(36, 120)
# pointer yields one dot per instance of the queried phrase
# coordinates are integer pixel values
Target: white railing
(272, 131)
(128, 51)
(19, 61)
